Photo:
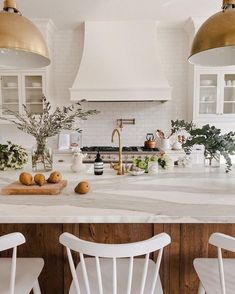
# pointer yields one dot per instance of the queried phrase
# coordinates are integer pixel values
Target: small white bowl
(206, 82)
(136, 173)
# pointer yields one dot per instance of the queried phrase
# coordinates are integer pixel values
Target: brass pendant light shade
(214, 43)
(21, 43)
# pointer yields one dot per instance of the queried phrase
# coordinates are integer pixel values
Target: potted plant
(215, 144)
(12, 156)
(47, 124)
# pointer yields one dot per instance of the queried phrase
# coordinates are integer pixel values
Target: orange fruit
(26, 179)
(82, 188)
(39, 179)
(55, 177)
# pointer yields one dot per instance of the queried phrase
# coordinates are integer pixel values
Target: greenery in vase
(213, 141)
(12, 156)
(47, 124)
(179, 125)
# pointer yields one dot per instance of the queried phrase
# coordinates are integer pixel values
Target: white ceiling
(69, 13)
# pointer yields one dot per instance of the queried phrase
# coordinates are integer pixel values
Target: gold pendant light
(214, 43)
(21, 43)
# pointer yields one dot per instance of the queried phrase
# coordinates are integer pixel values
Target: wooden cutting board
(17, 188)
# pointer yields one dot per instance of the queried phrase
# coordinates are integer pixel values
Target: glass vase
(42, 158)
(212, 159)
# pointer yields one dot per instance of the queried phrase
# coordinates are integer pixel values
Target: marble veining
(190, 195)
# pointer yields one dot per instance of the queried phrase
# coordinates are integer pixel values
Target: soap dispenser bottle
(98, 165)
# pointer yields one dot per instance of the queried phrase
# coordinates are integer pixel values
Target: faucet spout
(119, 134)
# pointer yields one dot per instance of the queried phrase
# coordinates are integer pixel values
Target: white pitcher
(77, 164)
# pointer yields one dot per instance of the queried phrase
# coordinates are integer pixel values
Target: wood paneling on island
(178, 276)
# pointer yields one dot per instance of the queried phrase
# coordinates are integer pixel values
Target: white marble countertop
(195, 195)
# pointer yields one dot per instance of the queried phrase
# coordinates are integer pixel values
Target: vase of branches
(45, 125)
(42, 157)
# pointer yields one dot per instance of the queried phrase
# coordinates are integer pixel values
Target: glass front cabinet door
(214, 94)
(10, 93)
(33, 92)
(17, 89)
(228, 105)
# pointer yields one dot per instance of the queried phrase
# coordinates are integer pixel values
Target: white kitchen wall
(173, 47)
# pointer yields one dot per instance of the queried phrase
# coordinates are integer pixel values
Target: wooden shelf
(33, 88)
(229, 101)
(10, 103)
(33, 103)
(10, 88)
(208, 86)
(207, 102)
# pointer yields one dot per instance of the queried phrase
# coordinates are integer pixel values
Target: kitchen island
(189, 204)
(180, 195)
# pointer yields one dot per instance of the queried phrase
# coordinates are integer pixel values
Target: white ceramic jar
(165, 144)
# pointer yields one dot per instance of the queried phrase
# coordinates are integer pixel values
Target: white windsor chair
(113, 269)
(18, 275)
(217, 275)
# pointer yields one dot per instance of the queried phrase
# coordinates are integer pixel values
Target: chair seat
(27, 272)
(208, 272)
(122, 276)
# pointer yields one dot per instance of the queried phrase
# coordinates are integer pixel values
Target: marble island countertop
(190, 195)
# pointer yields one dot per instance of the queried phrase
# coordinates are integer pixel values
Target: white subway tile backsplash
(68, 47)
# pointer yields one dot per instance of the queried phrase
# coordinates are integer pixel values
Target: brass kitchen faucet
(119, 133)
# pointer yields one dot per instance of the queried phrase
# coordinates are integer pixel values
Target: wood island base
(177, 273)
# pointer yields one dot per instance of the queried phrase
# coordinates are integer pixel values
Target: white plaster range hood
(120, 63)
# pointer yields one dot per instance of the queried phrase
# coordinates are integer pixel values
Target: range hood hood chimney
(120, 63)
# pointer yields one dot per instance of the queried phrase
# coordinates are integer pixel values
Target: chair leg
(36, 288)
(201, 290)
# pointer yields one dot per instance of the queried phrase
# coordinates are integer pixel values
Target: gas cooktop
(130, 149)
(110, 154)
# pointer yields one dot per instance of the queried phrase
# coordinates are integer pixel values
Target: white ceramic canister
(165, 144)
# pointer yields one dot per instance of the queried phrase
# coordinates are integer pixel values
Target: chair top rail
(11, 240)
(115, 250)
(222, 241)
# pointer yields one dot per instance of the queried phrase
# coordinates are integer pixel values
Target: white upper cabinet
(18, 88)
(214, 95)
